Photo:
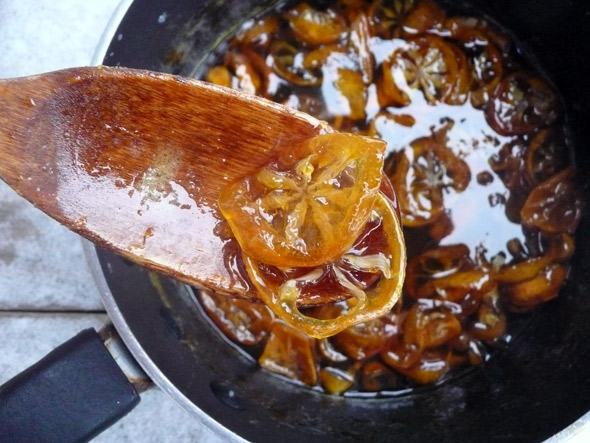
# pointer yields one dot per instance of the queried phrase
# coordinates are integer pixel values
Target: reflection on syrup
(483, 227)
(478, 225)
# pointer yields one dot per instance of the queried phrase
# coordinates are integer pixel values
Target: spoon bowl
(135, 160)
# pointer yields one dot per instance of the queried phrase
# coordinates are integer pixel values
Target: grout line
(50, 311)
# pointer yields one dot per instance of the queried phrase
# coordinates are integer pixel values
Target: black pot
(530, 391)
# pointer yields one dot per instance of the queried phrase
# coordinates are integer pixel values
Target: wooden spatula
(135, 160)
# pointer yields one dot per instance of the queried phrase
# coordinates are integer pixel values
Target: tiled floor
(47, 294)
(46, 291)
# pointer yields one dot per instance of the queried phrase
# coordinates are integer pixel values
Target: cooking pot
(529, 391)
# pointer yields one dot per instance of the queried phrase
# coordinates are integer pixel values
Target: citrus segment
(369, 277)
(307, 207)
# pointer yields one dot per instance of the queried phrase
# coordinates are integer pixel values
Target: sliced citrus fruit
(426, 16)
(316, 27)
(309, 206)
(241, 320)
(387, 15)
(430, 64)
(289, 353)
(554, 205)
(369, 276)
(521, 104)
(545, 155)
(422, 173)
(285, 62)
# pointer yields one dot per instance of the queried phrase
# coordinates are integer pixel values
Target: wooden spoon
(134, 161)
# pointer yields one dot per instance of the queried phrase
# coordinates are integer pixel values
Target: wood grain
(134, 161)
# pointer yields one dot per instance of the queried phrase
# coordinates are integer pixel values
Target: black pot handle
(71, 395)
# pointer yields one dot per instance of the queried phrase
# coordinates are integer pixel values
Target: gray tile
(44, 35)
(28, 337)
(158, 419)
(41, 263)
(42, 266)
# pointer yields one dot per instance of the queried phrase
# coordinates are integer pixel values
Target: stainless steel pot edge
(581, 425)
(109, 32)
